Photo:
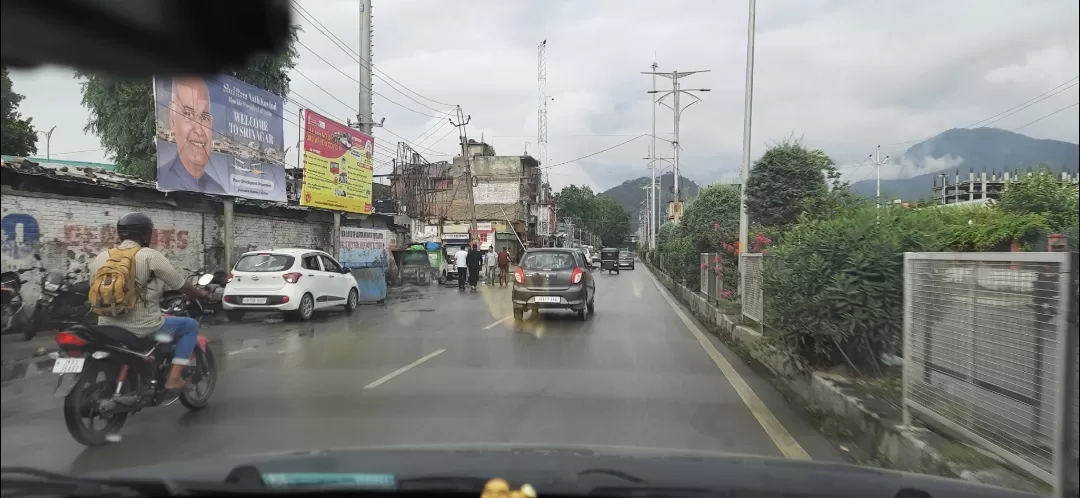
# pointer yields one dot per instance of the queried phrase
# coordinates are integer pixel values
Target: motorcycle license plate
(68, 365)
(253, 300)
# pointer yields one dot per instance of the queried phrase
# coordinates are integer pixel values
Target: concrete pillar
(227, 237)
(335, 236)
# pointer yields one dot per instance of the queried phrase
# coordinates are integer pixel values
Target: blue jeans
(185, 333)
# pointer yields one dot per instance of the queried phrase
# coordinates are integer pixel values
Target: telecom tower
(542, 212)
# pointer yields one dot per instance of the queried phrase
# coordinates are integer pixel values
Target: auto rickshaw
(609, 259)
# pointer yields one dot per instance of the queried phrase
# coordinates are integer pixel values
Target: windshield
(815, 231)
(264, 262)
(414, 258)
(548, 261)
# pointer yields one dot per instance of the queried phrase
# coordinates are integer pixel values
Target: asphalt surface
(448, 367)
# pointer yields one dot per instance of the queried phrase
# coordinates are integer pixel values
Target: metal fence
(753, 299)
(990, 354)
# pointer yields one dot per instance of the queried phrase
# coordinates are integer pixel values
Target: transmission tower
(542, 132)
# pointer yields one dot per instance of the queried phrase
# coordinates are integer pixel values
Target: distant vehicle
(626, 259)
(553, 278)
(296, 281)
(609, 260)
(589, 255)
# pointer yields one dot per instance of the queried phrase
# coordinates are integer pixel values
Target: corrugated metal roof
(79, 174)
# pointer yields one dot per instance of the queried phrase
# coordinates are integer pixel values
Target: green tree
(122, 110)
(609, 221)
(713, 217)
(18, 136)
(784, 181)
(1042, 193)
(574, 202)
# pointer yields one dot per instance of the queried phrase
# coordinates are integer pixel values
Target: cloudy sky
(844, 75)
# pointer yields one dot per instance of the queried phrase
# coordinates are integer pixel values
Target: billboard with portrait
(337, 166)
(219, 135)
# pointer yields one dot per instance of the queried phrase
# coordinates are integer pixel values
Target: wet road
(448, 368)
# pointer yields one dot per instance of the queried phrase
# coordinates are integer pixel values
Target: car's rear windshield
(548, 260)
(264, 262)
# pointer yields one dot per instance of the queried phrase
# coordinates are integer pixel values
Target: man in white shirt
(460, 261)
(490, 262)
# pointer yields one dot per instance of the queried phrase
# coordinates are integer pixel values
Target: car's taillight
(228, 279)
(284, 299)
(291, 278)
(69, 339)
(575, 277)
(225, 298)
(519, 275)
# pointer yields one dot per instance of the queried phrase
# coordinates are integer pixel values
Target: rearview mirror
(206, 278)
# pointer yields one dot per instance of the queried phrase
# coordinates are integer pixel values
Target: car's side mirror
(346, 269)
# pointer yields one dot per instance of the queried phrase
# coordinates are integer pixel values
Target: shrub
(834, 288)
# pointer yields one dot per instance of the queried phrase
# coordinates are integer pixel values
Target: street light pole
(744, 219)
(653, 216)
(677, 108)
(48, 142)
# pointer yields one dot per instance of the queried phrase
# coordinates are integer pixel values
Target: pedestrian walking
(491, 261)
(460, 262)
(474, 260)
(503, 260)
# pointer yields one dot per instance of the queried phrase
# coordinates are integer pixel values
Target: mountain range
(631, 194)
(958, 150)
(961, 150)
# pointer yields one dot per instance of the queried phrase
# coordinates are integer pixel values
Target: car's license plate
(68, 365)
(547, 299)
(254, 300)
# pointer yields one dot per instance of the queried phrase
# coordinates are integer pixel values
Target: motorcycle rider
(153, 275)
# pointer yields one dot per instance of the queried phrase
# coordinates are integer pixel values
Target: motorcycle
(175, 303)
(63, 300)
(108, 373)
(11, 303)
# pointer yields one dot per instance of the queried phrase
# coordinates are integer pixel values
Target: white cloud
(845, 75)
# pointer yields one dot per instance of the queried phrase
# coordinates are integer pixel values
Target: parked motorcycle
(107, 373)
(175, 303)
(63, 300)
(11, 303)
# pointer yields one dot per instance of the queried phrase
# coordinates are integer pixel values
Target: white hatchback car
(296, 281)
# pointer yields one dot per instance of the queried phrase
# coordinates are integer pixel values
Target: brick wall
(67, 233)
(252, 232)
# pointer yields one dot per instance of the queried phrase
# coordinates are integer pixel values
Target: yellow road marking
(403, 369)
(776, 431)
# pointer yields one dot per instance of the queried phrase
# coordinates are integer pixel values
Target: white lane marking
(242, 350)
(776, 431)
(403, 369)
(498, 322)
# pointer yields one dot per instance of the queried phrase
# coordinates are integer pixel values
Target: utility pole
(677, 110)
(48, 142)
(365, 117)
(464, 137)
(876, 157)
(748, 107)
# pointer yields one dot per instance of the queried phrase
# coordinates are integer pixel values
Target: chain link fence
(990, 354)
